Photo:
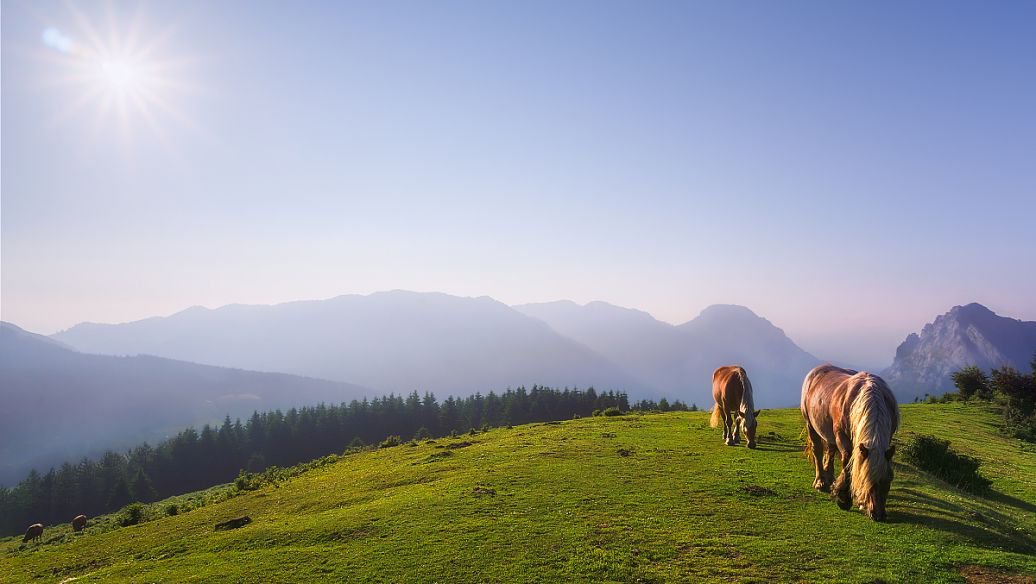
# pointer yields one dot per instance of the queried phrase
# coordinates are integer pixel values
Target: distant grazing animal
(234, 523)
(734, 404)
(35, 533)
(856, 413)
(78, 523)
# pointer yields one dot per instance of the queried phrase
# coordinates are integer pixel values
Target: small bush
(472, 432)
(132, 515)
(612, 411)
(1019, 425)
(390, 442)
(971, 381)
(935, 456)
(172, 509)
(422, 434)
(595, 413)
(453, 434)
(357, 445)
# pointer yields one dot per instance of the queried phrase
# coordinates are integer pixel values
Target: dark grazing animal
(78, 523)
(735, 407)
(234, 523)
(35, 533)
(853, 414)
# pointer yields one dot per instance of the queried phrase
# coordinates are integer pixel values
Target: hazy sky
(847, 170)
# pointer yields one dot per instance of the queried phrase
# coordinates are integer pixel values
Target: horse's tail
(809, 441)
(717, 416)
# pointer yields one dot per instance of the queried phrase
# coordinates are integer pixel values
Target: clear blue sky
(848, 170)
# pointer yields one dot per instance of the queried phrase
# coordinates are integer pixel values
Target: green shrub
(935, 456)
(595, 413)
(172, 509)
(132, 515)
(971, 381)
(612, 411)
(355, 446)
(422, 434)
(391, 441)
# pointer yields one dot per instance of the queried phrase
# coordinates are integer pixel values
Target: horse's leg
(841, 486)
(816, 443)
(829, 464)
(728, 428)
(736, 423)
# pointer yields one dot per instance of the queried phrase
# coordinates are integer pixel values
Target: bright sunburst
(119, 77)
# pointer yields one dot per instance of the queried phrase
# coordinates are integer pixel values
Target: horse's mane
(747, 401)
(872, 423)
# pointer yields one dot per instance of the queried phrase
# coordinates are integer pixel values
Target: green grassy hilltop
(651, 498)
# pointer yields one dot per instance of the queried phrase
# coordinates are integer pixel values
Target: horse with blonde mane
(735, 407)
(855, 413)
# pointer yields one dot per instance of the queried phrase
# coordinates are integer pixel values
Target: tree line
(194, 459)
(1012, 390)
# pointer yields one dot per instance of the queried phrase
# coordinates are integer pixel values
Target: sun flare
(121, 77)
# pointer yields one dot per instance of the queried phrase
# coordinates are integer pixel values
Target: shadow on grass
(777, 447)
(771, 444)
(993, 529)
(991, 537)
(1012, 501)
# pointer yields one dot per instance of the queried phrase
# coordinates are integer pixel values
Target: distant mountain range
(58, 404)
(679, 360)
(201, 364)
(402, 341)
(389, 341)
(966, 335)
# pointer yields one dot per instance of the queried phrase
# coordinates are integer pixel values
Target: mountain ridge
(86, 403)
(390, 341)
(969, 334)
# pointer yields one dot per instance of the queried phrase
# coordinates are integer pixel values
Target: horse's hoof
(843, 504)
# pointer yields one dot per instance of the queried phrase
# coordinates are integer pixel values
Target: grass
(649, 498)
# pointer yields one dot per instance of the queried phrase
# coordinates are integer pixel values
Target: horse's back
(34, 531)
(726, 384)
(822, 397)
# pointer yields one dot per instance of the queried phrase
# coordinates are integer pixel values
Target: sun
(122, 78)
(119, 75)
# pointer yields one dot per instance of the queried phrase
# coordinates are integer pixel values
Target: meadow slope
(634, 498)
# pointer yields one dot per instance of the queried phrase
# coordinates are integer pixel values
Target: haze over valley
(199, 365)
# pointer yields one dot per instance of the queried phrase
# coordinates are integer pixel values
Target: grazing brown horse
(734, 404)
(855, 413)
(35, 533)
(78, 523)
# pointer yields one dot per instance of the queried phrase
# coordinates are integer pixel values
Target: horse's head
(872, 479)
(750, 424)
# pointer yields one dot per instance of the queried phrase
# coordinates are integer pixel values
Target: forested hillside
(635, 498)
(196, 459)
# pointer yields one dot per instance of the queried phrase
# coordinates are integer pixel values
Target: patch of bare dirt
(985, 575)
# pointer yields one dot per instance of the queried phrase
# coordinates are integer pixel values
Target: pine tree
(142, 489)
(120, 495)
